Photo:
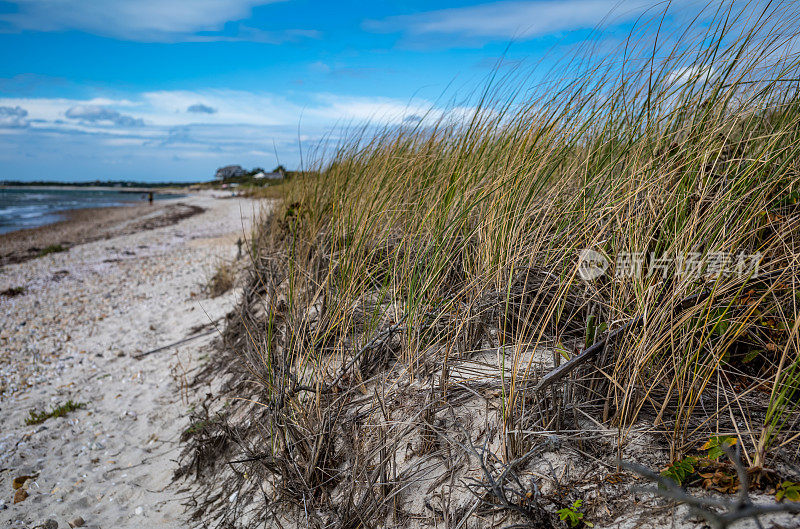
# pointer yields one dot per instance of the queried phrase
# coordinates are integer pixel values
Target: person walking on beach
(150, 197)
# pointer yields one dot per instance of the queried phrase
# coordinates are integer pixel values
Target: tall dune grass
(463, 234)
(685, 165)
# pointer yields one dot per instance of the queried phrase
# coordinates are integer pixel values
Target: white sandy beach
(73, 335)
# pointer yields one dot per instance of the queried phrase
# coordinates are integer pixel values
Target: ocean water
(22, 208)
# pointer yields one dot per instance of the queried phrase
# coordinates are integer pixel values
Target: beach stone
(49, 524)
(77, 522)
(19, 482)
(20, 495)
(139, 511)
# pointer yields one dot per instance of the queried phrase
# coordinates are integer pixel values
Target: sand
(75, 333)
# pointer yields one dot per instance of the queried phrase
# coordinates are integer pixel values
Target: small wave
(19, 210)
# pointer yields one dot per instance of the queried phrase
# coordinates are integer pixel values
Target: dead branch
(709, 508)
(501, 483)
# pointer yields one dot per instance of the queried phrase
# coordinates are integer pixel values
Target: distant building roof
(269, 176)
(229, 171)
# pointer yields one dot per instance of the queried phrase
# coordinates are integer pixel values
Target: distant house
(229, 171)
(269, 176)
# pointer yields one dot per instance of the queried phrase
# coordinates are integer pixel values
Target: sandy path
(73, 335)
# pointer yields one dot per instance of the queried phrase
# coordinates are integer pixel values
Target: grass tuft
(222, 280)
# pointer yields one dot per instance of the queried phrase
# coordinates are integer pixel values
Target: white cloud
(100, 114)
(146, 20)
(122, 142)
(177, 145)
(245, 128)
(268, 109)
(376, 110)
(85, 138)
(508, 20)
(168, 107)
(165, 116)
(13, 117)
(51, 113)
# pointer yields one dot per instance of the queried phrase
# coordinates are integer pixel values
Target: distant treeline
(94, 183)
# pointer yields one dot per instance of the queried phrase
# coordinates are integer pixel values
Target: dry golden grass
(417, 268)
(662, 170)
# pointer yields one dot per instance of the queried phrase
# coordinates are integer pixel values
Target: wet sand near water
(92, 224)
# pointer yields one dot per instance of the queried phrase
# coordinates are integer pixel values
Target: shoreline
(83, 225)
(161, 190)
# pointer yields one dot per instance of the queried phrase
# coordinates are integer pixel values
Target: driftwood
(590, 352)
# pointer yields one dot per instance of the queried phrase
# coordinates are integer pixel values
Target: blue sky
(165, 90)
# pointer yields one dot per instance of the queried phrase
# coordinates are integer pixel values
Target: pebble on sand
(20, 495)
(19, 481)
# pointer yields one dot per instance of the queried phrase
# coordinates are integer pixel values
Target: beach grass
(405, 253)
(644, 168)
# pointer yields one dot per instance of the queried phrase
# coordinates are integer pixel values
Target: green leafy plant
(562, 351)
(788, 490)
(573, 515)
(593, 329)
(38, 417)
(681, 470)
(716, 446)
